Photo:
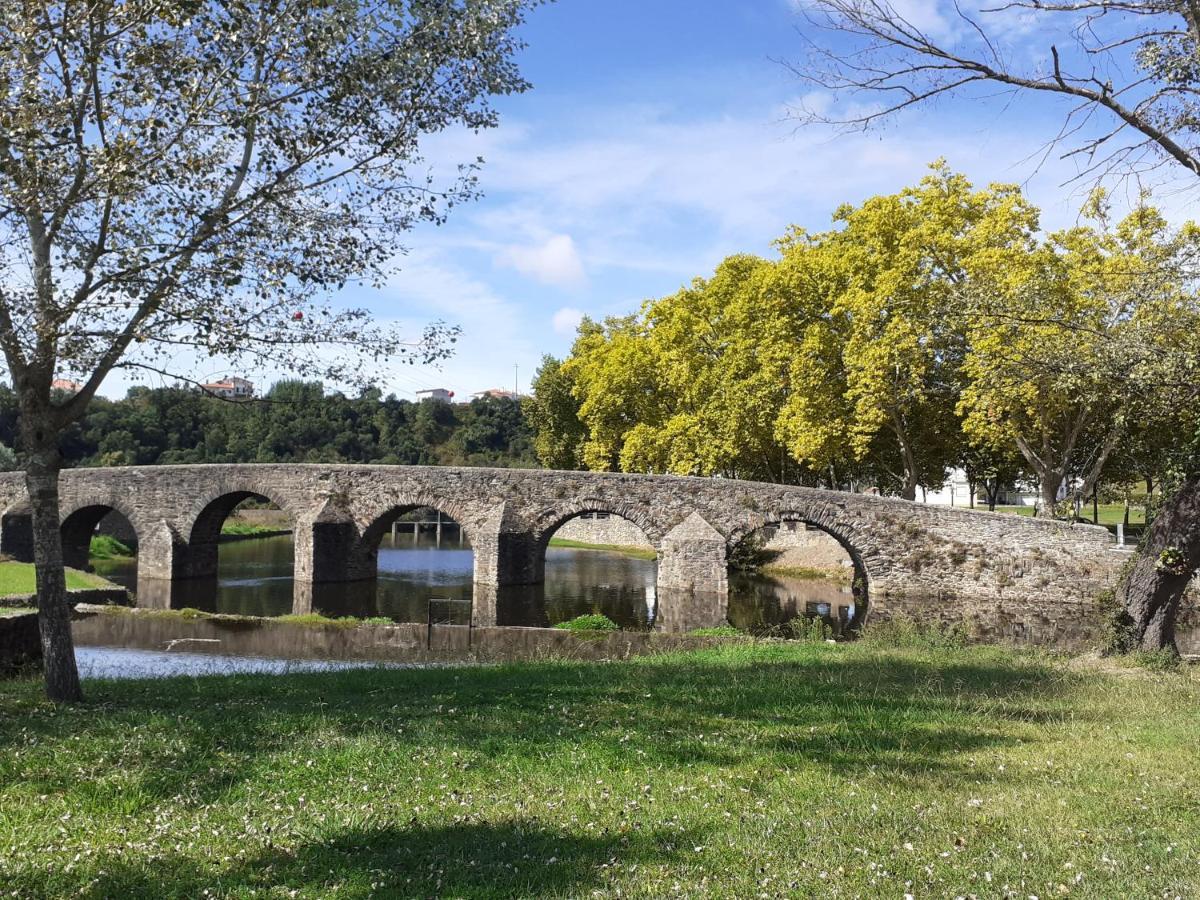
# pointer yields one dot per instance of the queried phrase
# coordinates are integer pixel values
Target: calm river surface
(255, 578)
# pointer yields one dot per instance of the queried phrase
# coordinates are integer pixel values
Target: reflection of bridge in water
(1000, 571)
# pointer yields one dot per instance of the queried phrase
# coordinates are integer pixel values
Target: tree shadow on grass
(898, 712)
(512, 859)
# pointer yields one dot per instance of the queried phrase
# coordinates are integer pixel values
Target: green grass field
(750, 770)
(635, 552)
(18, 578)
(808, 573)
(248, 528)
(1110, 513)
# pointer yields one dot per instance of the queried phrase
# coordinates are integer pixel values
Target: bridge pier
(693, 557)
(507, 558)
(327, 548)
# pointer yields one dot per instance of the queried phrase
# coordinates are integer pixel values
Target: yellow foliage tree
(880, 356)
(1062, 338)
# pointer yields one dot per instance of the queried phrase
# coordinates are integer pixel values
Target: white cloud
(553, 261)
(566, 320)
(496, 333)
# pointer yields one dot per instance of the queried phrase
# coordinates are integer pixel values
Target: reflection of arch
(79, 525)
(827, 524)
(549, 521)
(203, 524)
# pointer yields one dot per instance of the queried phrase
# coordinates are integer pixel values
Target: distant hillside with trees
(296, 421)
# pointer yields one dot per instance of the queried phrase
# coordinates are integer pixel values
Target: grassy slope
(626, 550)
(249, 528)
(18, 578)
(796, 770)
(808, 573)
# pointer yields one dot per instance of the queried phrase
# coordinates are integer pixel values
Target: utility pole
(516, 380)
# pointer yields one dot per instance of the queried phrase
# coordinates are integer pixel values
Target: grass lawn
(745, 771)
(635, 552)
(18, 578)
(1110, 513)
(808, 573)
(250, 528)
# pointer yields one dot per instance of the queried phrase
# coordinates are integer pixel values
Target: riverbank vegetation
(755, 768)
(808, 573)
(623, 549)
(105, 546)
(235, 528)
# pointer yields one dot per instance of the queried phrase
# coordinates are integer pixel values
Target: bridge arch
(373, 520)
(202, 522)
(377, 520)
(622, 584)
(80, 516)
(848, 543)
(200, 526)
(548, 521)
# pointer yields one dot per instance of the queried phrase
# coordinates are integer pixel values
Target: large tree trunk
(991, 487)
(910, 475)
(1150, 593)
(1049, 483)
(54, 612)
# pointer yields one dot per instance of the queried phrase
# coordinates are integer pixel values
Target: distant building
(66, 384)
(441, 395)
(955, 492)
(496, 394)
(231, 388)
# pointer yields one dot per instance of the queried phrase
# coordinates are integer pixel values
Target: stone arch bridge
(1010, 575)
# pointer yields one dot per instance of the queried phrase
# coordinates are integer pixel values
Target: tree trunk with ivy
(1151, 591)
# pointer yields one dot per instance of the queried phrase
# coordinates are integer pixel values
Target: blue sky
(655, 142)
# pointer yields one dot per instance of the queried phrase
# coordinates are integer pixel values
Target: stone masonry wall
(588, 529)
(20, 644)
(797, 544)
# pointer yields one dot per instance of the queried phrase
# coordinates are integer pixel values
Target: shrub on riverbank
(591, 622)
(784, 769)
(105, 546)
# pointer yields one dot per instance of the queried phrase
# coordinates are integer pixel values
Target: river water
(255, 578)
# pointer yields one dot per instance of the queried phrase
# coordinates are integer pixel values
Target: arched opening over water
(596, 561)
(240, 554)
(100, 538)
(421, 553)
(789, 575)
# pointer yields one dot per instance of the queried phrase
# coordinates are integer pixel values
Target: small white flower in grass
(974, 802)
